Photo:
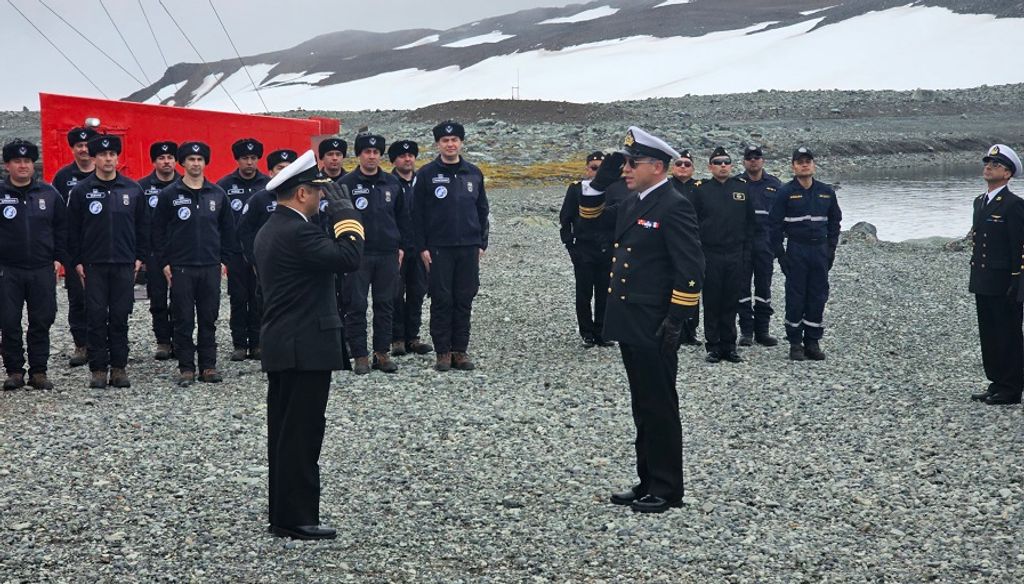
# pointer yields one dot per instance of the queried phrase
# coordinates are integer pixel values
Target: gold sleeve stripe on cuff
(684, 302)
(591, 212)
(349, 225)
(684, 295)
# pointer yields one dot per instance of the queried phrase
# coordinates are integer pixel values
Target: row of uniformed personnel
(740, 239)
(184, 227)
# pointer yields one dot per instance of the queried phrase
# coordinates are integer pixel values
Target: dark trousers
(1002, 343)
(159, 308)
(195, 295)
(245, 304)
(806, 290)
(76, 307)
(755, 309)
(377, 273)
(109, 296)
(342, 294)
(296, 402)
(454, 282)
(408, 305)
(655, 405)
(591, 265)
(35, 288)
(721, 298)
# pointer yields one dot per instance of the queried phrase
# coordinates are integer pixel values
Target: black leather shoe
(766, 340)
(746, 341)
(981, 396)
(626, 497)
(603, 343)
(732, 357)
(1001, 399)
(651, 504)
(588, 342)
(304, 532)
(713, 357)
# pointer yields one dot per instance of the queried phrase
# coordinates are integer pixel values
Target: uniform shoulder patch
(741, 179)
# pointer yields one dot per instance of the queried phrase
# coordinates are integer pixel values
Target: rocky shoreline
(870, 466)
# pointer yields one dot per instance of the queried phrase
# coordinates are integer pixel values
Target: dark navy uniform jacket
(686, 188)
(151, 187)
(384, 209)
(33, 225)
(449, 206)
(726, 215)
(194, 228)
(255, 214)
(108, 222)
(68, 178)
(762, 194)
(998, 233)
(407, 193)
(657, 266)
(576, 221)
(807, 216)
(240, 189)
(296, 259)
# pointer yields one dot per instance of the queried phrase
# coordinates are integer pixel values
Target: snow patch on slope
(423, 41)
(495, 36)
(593, 14)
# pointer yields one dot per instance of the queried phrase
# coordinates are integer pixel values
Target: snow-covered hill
(612, 50)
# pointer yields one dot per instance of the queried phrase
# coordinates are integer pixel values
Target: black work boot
(79, 357)
(796, 352)
(398, 348)
(765, 339)
(14, 380)
(813, 351)
(98, 380)
(239, 354)
(746, 340)
(419, 347)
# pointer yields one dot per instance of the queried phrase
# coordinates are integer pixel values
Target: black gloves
(338, 202)
(669, 331)
(609, 172)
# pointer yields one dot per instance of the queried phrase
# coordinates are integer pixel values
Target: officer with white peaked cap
(656, 277)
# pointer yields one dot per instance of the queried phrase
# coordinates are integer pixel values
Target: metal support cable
(189, 41)
(56, 48)
(237, 54)
(153, 32)
(94, 45)
(125, 41)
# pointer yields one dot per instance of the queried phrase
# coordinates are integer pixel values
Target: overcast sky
(32, 65)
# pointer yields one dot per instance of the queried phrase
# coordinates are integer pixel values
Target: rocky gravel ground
(870, 466)
(849, 130)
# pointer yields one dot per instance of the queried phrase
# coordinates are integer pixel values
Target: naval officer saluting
(656, 277)
(296, 262)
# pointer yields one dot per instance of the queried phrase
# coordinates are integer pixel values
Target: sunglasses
(721, 162)
(684, 163)
(594, 167)
(753, 157)
(996, 163)
(634, 162)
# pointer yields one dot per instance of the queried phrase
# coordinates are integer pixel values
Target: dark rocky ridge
(350, 55)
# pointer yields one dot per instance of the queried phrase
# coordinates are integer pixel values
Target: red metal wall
(139, 125)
